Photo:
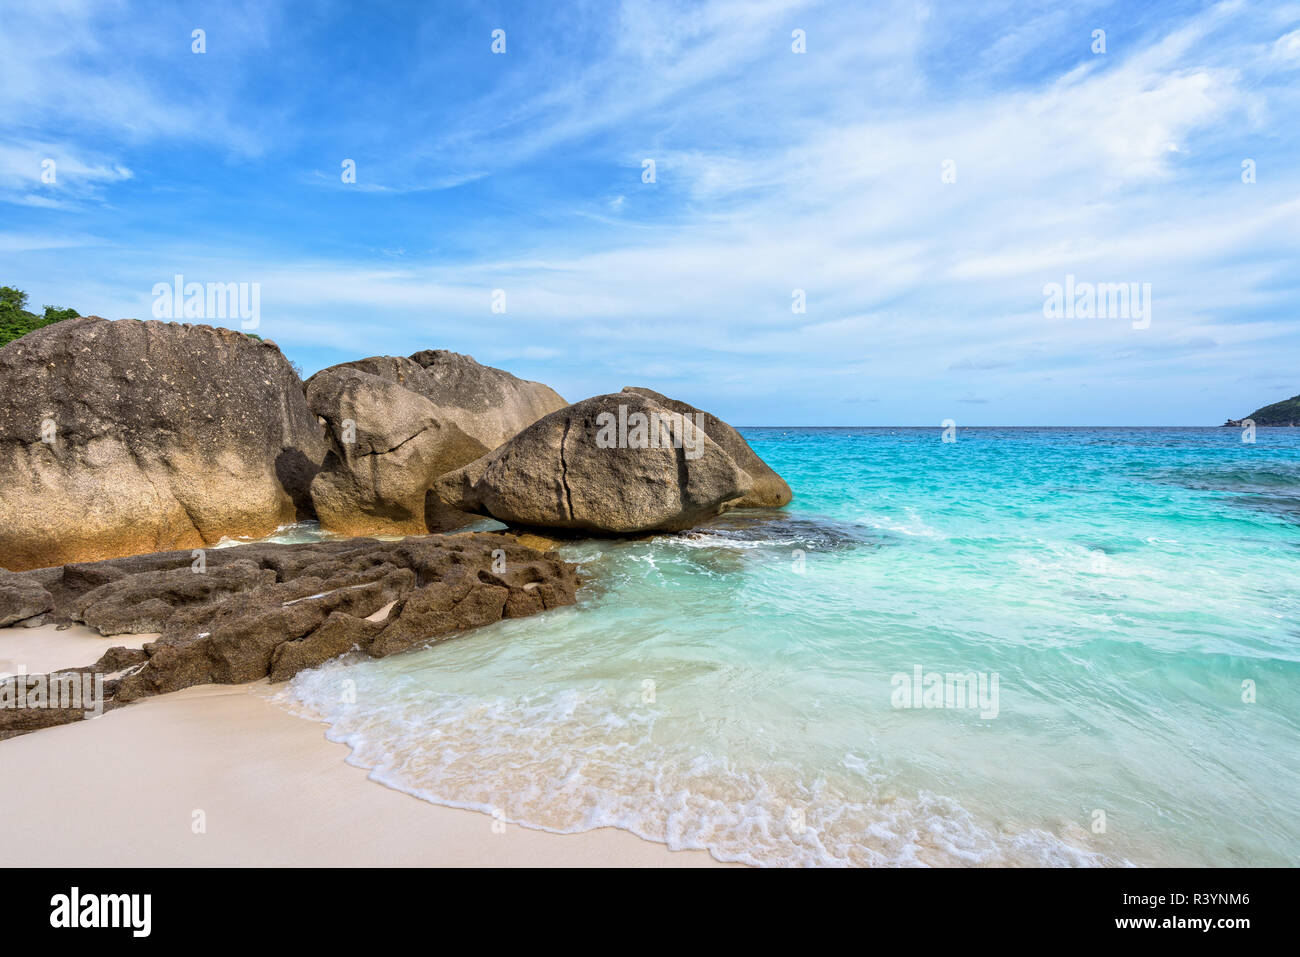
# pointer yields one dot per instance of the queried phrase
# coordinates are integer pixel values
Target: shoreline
(127, 788)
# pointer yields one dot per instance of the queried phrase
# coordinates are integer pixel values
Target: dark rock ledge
(273, 610)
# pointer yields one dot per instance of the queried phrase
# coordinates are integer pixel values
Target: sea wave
(590, 757)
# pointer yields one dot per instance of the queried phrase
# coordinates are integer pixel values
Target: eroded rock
(21, 598)
(272, 610)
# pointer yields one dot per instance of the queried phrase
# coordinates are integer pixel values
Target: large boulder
(487, 404)
(395, 424)
(387, 445)
(769, 491)
(127, 436)
(619, 464)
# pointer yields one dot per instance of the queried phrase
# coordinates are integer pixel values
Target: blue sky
(775, 171)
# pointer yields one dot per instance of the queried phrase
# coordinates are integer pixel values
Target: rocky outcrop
(395, 424)
(127, 436)
(387, 445)
(271, 610)
(769, 489)
(619, 464)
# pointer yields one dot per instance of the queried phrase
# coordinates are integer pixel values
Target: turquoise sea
(1135, 592)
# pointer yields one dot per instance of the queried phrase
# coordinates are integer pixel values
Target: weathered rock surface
(387, 445)
(272, 610)
(574, 470)
(489, 405)
(769, 491)
(395, 424)
(145, 603)
(127, 436)
(21, 598)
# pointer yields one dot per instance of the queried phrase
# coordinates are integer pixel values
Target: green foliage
(16, 321)
(1286, 412)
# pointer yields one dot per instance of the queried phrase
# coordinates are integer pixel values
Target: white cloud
(818, 171)
(1288, 47)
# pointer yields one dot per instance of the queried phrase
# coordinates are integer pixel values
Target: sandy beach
(44, 649)
(126, 789)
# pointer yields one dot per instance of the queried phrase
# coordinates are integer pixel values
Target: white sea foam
(912, 527)
(587, 757)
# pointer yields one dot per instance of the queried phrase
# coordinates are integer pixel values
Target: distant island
(1284, 413)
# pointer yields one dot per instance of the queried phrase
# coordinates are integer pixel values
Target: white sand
(45, 649)
(123, 789)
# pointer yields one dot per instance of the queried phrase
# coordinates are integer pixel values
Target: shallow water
(732, 688)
